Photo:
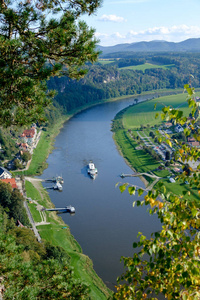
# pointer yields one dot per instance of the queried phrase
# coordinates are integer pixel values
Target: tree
(169, 262)
(26, 156)
(40, 39)
(25, 275)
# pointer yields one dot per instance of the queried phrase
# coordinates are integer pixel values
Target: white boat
(92, 170)
(58, 186)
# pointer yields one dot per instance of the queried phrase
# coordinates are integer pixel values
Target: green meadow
(105, 61)
(144, 113)
(148, 66)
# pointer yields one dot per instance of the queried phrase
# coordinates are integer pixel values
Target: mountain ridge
(189, 45)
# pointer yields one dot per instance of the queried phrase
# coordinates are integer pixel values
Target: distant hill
(190, 45)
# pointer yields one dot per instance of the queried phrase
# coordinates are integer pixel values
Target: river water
(105, 223)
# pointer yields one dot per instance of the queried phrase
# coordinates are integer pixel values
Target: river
(105, 223)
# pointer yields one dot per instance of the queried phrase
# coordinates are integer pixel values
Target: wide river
(105, 223)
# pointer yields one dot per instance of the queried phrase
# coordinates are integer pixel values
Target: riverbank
(132, 128)
(51, 231)
(45, 146)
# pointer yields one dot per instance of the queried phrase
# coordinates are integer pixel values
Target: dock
(55, 179)
(58, 180)
(67, 209)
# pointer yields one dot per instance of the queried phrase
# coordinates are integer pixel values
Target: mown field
(144, 113)
(148, 66)
(105, 61)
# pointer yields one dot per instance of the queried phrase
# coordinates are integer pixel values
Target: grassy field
(142, 161)
(144, 113)
(147, 66)
(105, 61)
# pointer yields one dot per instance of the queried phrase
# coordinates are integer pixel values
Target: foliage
(108, 81)
(39, 39)
(26, 156)
(26, 271)
(12, 201)
(169, 262)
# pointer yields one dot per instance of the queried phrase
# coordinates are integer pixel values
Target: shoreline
(52, 134)
(129, 164)
(67, 117)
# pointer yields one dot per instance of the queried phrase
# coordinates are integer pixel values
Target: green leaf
(194, 212)
(140, 192)
(135, 245)
(185, 297)
(131, 190)
(123, 187)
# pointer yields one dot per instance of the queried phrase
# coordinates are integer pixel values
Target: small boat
(92, 170)
(58, 186)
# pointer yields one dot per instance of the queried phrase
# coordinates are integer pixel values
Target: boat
(92, 170)
(58, 186)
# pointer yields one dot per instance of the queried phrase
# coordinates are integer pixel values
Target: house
(23, 146)
(178, 170)
(179, 128)
(4, 174)
(168, 124)
(192, 142)
(172, 180)
(29, 135)
(10, 181)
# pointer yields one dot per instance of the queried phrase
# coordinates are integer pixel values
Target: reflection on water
(105, 223)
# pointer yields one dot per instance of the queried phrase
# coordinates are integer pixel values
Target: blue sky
(129, 21)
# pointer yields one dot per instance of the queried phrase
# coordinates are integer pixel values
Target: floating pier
(67, 209)
(55, 179)
(58, 183)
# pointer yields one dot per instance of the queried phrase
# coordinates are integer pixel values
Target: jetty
(55, 179)
(67, 209)
(140, 174)
(58, 180)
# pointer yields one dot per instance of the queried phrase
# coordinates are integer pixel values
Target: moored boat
(58, 186)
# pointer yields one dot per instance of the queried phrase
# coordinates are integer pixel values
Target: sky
(130, 21)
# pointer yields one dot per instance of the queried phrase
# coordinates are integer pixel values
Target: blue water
(105, 223)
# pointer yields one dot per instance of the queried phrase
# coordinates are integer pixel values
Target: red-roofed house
(29, 135)
(10, 181)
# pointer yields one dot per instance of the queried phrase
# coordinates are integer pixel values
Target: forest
(105, 81)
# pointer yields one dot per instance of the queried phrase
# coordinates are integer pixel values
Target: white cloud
(112, 18)
(171, 34)
(109, 40)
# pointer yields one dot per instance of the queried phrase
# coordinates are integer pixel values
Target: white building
(5, 174)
